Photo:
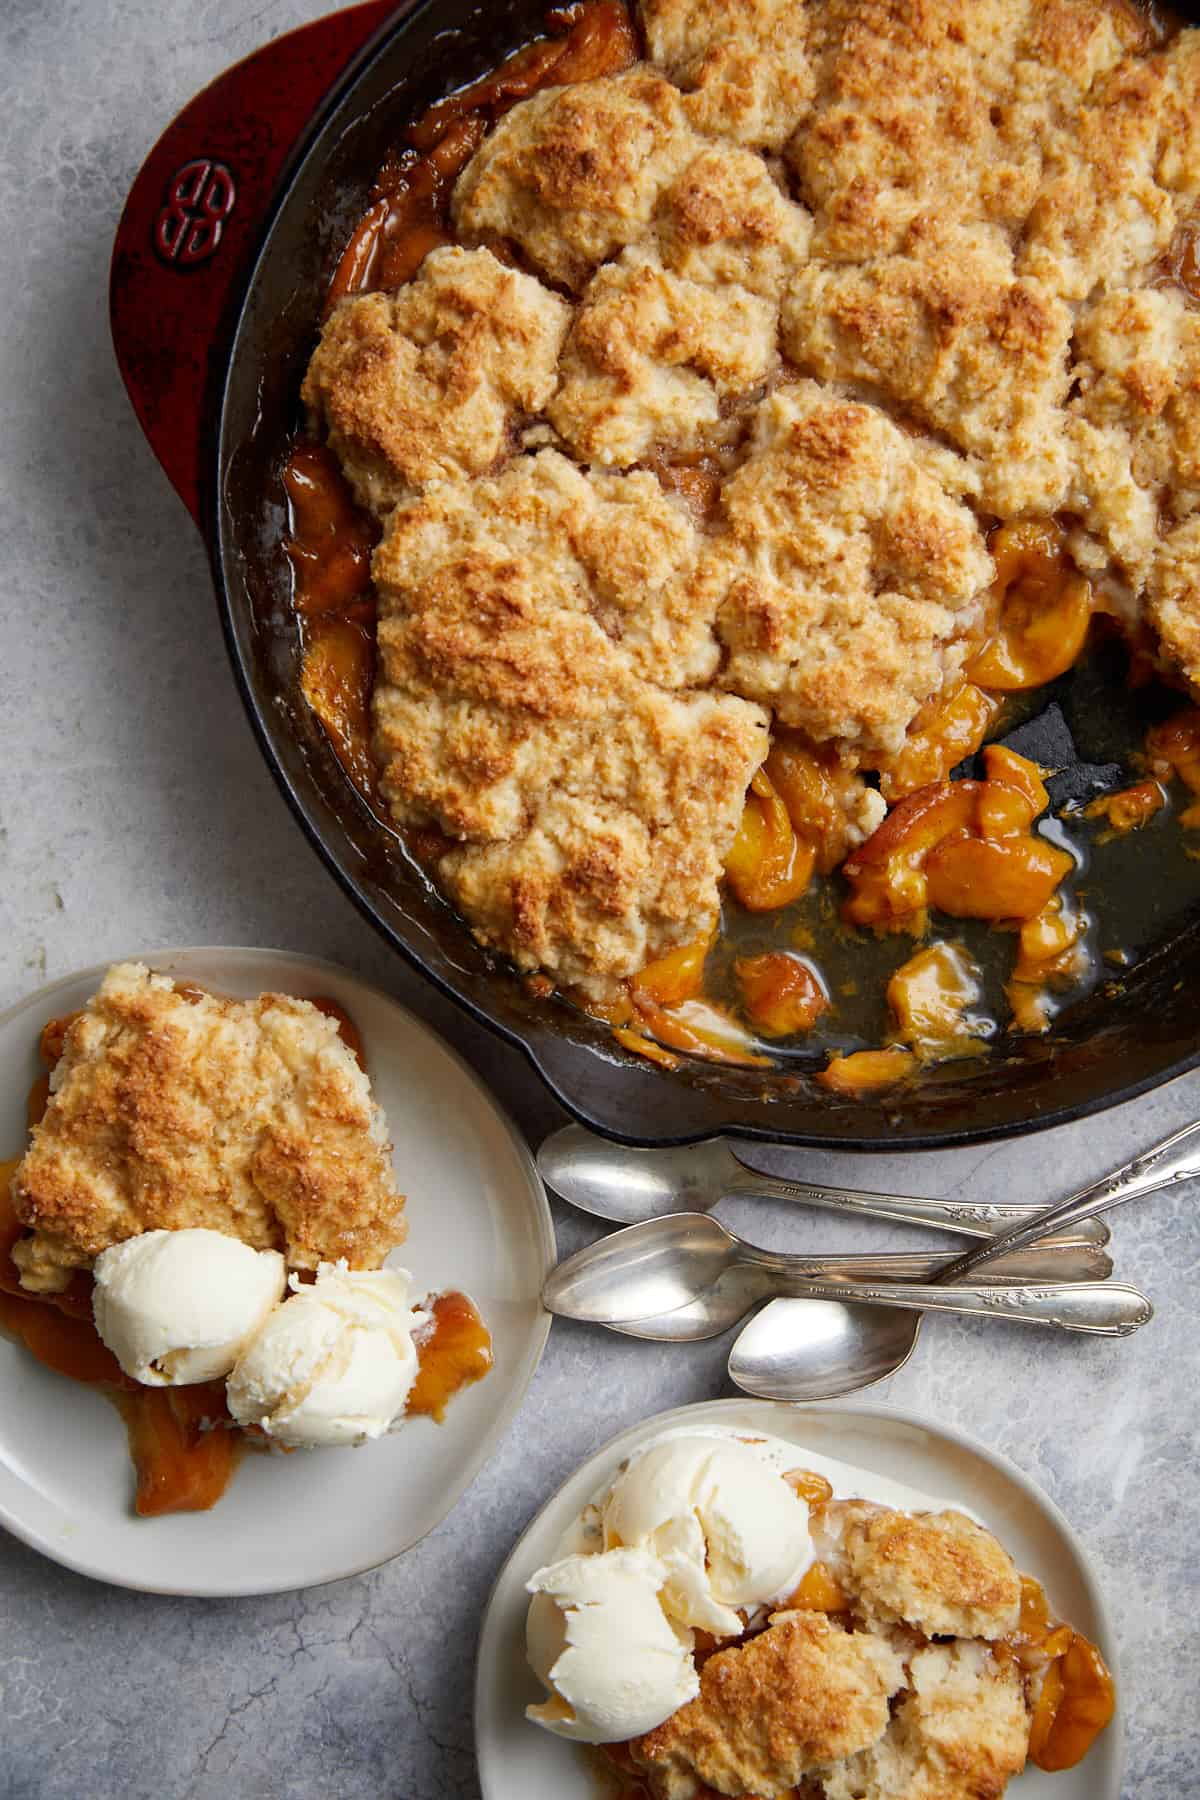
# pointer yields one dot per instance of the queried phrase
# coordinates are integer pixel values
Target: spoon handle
(1176, 1158)
(1106, 1309)
(1051, 1259)
(971, 1219)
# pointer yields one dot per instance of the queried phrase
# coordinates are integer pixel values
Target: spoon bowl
(820, 1349)
(649, 1269)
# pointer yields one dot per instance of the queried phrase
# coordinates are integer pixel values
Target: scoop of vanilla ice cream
(334, 1364)
(176, 1307)
(599, 1640)
(729, 1530)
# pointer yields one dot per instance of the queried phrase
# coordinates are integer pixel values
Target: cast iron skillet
(227, 241)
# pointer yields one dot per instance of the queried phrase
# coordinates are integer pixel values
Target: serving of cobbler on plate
(723, 1620)
(724, 423)
(198, 1227)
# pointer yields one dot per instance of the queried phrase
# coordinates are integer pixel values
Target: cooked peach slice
(767, 864)
(781, 993)
(867, 1071)
(964, 847)
(939, 738)
(675, 977)
(1045, 610)
(929, 996)
(1173, 748)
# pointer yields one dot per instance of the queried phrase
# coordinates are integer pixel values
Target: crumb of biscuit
(573, 174)
(848, 574)
(430, 381)
(940, 1573)
(653, 359)
(960, 1733)
(802, 1693)
(172, 1110)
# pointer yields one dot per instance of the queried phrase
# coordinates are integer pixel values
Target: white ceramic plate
(518, 1758)
(478, 1220)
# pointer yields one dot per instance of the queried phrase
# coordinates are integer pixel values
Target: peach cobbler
(724, 420)
(725, 1621)
(198, 1227)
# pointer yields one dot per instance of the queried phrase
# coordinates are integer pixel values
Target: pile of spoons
(833, 1324)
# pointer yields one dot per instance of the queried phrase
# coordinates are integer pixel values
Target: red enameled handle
(192, 214)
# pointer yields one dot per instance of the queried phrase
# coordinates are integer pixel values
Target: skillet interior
(1122, 1039)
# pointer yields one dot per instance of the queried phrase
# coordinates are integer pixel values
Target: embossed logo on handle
(199, 198)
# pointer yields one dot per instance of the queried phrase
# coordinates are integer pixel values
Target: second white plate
(518, 1758)
(478, 1220)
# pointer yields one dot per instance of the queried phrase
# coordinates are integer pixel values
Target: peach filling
(768, 865)
(1076, 1698)
(942, 735)
(930, 996)
(1045, 609)
(781, 993)
(965, 847)
(1173, 750)
(867, 1071)
(1050, 955)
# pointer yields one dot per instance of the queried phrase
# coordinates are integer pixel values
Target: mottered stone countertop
(135, 811)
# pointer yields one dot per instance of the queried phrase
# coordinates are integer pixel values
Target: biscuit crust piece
(848, 575)
(960, 1733)
(802, 1693)
(1119, 176)
(529, 629)
(949, 335)
(653, 359)
(432, 381)
(726, 220)
(574, 173)
(1174, 600)
(1135, 427)
(937, 1572)
(745, 64)
(250, 1117)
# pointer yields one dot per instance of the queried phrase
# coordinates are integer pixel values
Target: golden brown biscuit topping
(834, 289)
(250, 1117)
(802, 1693)
(939, 1572)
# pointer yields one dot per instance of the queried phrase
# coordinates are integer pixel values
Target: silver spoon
(794, 1350)
(741, 1287)
(666, 1263)
(629, 1185)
